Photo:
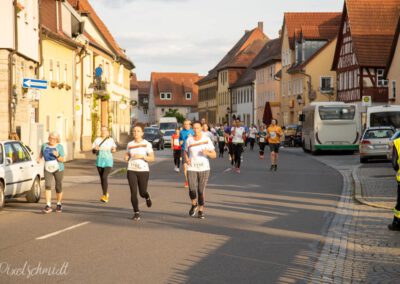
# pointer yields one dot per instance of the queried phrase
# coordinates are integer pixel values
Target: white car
(20, 174)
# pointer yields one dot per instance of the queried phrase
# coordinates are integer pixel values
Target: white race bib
(135, 165)
(197, 163)
(272, 134)
(262, 139)
(221, 139)
(51, 166)
(176, 142)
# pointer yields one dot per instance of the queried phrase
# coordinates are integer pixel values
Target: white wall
(28, 30)
(7, 24)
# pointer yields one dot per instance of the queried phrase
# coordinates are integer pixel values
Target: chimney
(261, 26)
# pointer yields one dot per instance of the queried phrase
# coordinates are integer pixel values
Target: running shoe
(59, 208)
(47, 209)
(148, 201)
(201, 215)
(136, 216)
(105, 198)
(186, 184)
(193, 210)
(238, 170)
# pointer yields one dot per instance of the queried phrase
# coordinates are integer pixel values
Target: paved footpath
(359, 247)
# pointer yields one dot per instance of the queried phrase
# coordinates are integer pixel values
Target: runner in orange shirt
(274, 134)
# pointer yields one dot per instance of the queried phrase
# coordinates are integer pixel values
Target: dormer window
(188, 96)
(165, 96)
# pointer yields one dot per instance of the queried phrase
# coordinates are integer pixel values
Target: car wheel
(363, 160)
(2, 197)
(33, 195)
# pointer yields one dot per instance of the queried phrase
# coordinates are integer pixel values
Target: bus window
(337, 113)
(390, 118)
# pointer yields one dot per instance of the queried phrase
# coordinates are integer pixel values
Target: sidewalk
(375, 185)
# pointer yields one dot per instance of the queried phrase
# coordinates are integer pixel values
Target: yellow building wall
(394, 75)
(223, 96)
(56, 105)
(285, 99)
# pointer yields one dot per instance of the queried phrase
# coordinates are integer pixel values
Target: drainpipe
(81, 61)
(10, 71)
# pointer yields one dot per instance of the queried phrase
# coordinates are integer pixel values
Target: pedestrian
(177, 149)
(103, 147)
(207, 132)
(186, 132)
(238, 138)
(252, 136)
(262, 140)
(395, 225)
(274, 134)
(53, 154)
(228, 139)
(139, 154)
(221, 141)
(199, 148)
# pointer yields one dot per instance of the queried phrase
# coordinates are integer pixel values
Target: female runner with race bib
(199, 148)
(139, 154)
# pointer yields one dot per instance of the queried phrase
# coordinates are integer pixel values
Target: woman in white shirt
(199, 148)
(139, 154)
(239, 135)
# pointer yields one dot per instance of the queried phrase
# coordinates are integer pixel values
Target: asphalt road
(260, 227)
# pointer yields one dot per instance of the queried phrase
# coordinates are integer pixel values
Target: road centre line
(62, 231)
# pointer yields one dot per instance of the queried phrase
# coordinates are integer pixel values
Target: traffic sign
(34, 83)
(366, 101)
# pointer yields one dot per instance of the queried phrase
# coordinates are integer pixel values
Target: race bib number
(221, 139)
(135, 165)
(262, 139)
(176, 142)
(51, 166)
(272, 134)
(197, 163)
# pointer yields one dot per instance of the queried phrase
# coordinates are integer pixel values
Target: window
(381, 79)
(188, 96)
(165, 96)
(145, 111)
(326, 84)
(393, 89)
(337, 113)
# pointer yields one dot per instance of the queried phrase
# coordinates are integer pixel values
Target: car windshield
(167, 125)
(395, 135)
(151, 131)
(337, 113)
(378, 134)
(169, 132)
(389, 118)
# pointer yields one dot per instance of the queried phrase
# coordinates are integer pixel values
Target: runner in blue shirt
(186, 132)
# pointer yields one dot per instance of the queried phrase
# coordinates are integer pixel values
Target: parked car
(167, 137)
(395, 136)
(20, 174)
(155, 137)
(374, 143)
(293, 135)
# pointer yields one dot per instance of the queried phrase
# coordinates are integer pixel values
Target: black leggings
(138, 180)
(262, 148)
(230, 151)
(221, 148)
(252, 141)
(103, 173)
(398, 197)
(177, 158)
(237, 153)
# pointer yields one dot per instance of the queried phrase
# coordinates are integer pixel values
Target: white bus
(331, 126)
(383, 116)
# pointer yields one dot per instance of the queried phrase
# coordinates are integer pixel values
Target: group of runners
(193, 146)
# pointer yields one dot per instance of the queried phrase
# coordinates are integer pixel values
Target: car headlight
(156, 140)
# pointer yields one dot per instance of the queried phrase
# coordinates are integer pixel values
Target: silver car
(395, 136)
(374, 143)
(167, 137)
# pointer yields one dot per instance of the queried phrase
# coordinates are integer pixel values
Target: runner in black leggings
(239, 136)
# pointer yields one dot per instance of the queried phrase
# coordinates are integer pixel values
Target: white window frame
(188, 98)
(380, 79)
(393, 87)
(165, 96)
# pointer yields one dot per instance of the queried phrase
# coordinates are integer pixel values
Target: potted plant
(61, 85)
(67, 87)
(53, 84)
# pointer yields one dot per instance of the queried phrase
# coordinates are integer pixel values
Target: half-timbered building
(362, 49)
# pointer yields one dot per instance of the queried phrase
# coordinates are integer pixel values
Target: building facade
(392, 69)
(143, 102)
(208, 97)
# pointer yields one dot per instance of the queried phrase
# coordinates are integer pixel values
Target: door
(26, 166)
(11, 170)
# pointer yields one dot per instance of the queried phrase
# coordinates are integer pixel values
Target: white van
(387, 115)
(167, 123)
(330, 126)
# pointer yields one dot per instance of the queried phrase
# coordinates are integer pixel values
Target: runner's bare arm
(210, 153)
(150, 157)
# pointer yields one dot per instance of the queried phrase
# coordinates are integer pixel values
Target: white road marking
(62, 231)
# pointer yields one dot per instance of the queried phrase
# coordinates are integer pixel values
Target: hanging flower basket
(53, 84)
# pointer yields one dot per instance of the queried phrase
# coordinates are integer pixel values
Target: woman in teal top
(104, 146)
(262, 140)
(53, 154)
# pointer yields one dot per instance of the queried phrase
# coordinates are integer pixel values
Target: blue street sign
(34, 83)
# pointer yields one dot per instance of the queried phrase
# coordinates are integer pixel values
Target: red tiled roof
(315, 25)
(84, 6)
(372, 26)
(177, 84)
(271, 52)
(144, 87)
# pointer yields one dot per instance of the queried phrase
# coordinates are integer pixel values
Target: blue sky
(192, 35)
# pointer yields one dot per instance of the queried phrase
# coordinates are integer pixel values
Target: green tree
(175, 113)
